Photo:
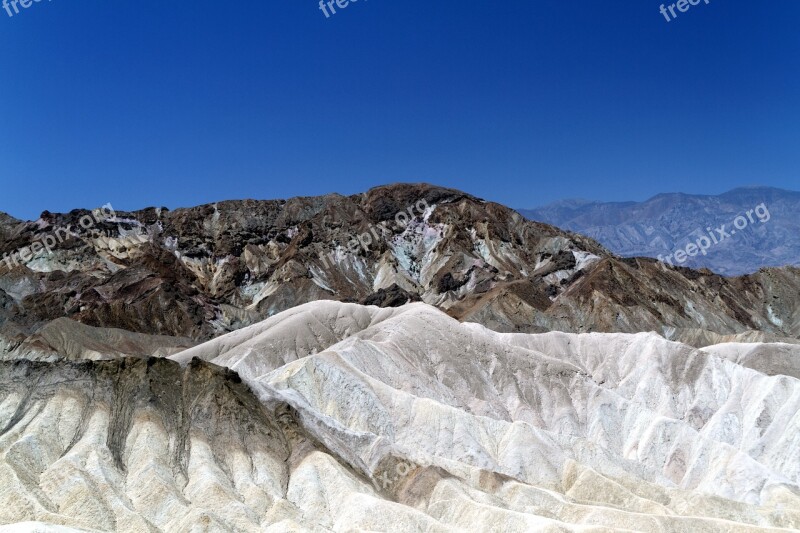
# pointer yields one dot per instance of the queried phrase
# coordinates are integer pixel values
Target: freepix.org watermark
(15, 5)
(328, 7)
(48, 241)
(682, 6)
(714, 236)
(373, 235)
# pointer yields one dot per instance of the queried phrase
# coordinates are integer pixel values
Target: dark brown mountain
(203, 271)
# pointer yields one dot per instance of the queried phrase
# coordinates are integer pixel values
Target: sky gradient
(177, 104)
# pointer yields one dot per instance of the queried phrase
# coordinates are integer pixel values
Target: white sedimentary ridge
(359, 418)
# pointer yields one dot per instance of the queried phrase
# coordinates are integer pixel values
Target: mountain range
(412, 358)
(193, 274)
(667, 223)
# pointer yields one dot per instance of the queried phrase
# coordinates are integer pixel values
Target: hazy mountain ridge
(667, 222)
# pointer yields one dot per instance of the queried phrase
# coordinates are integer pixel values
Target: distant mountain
(665, 224)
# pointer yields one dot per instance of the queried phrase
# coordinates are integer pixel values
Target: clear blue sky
(173, 103)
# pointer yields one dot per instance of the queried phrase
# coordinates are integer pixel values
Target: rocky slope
(200, 272)
(341, 417)
(668, 222)
(277, 403)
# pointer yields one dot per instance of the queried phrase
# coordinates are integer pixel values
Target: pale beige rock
(355, 418)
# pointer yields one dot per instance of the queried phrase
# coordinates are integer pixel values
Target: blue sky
(522, 102)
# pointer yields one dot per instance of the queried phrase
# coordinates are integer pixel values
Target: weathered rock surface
(200, 272)
(66, 339)
(343, 417)
(454, 413)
